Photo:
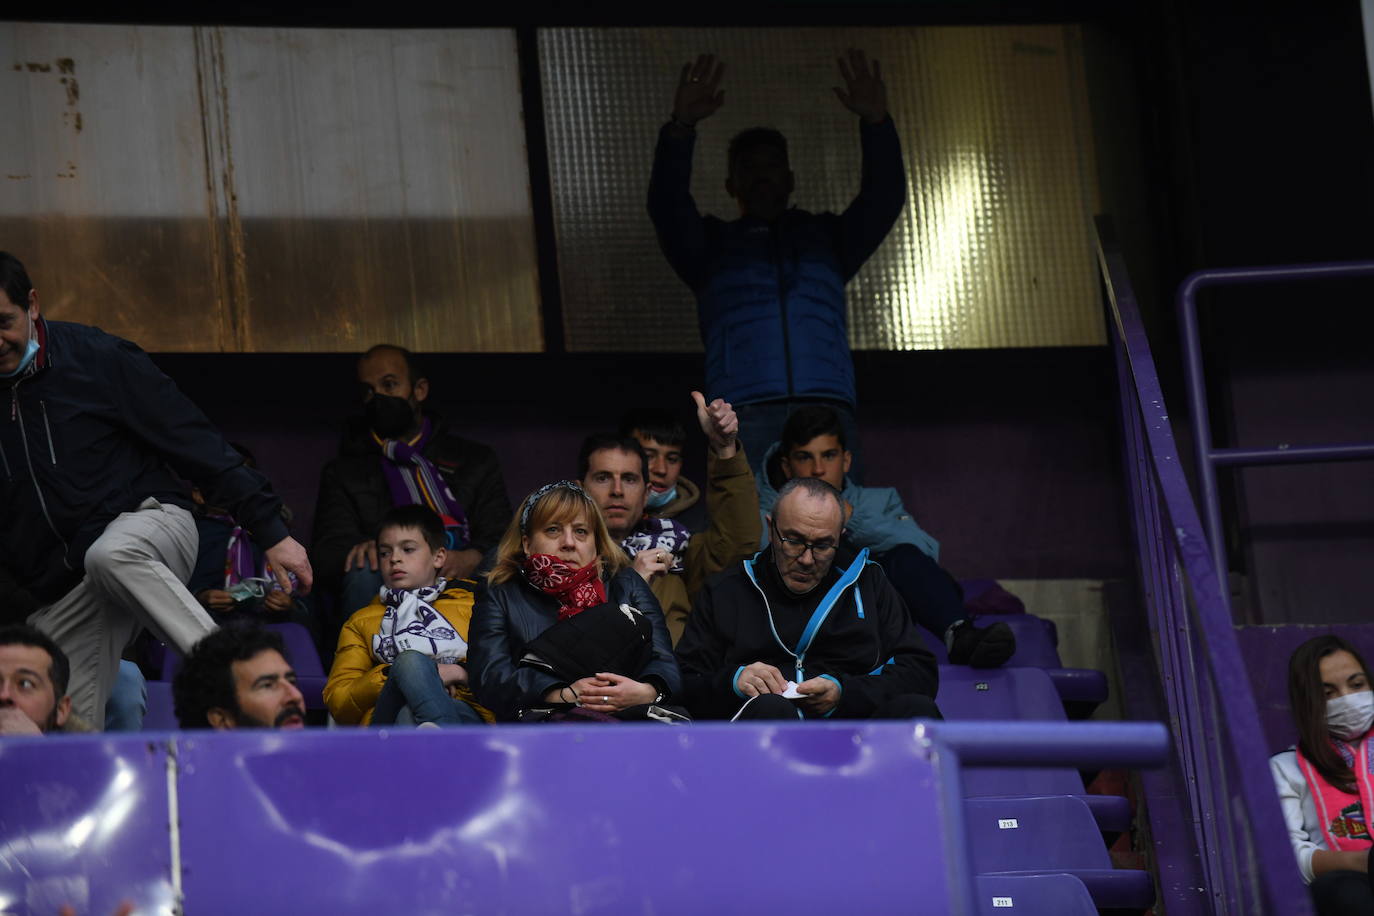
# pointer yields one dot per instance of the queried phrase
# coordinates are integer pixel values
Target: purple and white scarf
(414, 480)
(412, 622)
(659, 534)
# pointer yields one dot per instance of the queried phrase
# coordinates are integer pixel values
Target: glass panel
(992, 250)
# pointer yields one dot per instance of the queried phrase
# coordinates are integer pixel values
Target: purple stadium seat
(997, 693)
(305, 658)
(1033, 895)
(1019, 693)
(1111, 812)
(1081, 689)
(300, 648)
(1036, 640)
(1051, 835)
(161, 715)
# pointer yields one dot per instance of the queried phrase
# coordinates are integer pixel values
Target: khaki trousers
(135, 575)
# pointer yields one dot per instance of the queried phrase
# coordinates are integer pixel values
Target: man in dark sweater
(794, 634)
(404, 456)
(770, 285)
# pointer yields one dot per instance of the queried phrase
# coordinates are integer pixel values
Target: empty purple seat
(997, 693)
(1019, 693)
(1051, 835)
(1033, 895)
(1111, 812)
(1081, 689)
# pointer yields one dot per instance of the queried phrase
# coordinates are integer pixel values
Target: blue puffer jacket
(770, 296)
(879, 521)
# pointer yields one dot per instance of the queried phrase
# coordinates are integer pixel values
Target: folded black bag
(612, 638)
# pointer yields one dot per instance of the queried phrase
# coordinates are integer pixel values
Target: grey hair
(811, 486)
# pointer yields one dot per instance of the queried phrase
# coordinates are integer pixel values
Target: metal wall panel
(273, 190)
(992, 250)
(103, 180)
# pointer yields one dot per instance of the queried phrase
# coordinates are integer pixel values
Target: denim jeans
(760, 425)
(932, 596)
(128, 702)
(414, 693)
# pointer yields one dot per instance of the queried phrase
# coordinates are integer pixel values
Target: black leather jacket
(507, 616)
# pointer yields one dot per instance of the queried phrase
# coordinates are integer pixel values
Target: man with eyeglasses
(813, 445)
(791, 634)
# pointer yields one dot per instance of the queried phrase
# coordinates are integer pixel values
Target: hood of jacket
(878, 520)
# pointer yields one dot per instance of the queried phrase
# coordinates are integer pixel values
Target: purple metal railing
(1238, 832)
(1209, 458)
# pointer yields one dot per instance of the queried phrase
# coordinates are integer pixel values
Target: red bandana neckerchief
(575, 589)
(1343, 814)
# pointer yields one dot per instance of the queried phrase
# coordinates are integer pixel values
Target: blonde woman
(566, 627)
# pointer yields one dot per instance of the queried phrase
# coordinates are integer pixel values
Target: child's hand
(453, 674)
(277, 601)
(217, 600)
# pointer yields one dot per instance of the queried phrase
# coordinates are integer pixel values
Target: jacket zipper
(18, 414)
(5, 460)
(769, 608)
(782, 302)
(52, 452)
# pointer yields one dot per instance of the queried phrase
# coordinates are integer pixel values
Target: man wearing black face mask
(404, 456)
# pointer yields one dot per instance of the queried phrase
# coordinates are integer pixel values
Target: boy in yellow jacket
(402, 659)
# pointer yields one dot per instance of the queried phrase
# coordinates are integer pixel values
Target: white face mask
(1350, 716)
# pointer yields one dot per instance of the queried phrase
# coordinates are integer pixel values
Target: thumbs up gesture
(719, 423)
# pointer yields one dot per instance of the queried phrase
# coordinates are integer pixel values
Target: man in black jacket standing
(794, 634)
(96, 533)
(404, 456)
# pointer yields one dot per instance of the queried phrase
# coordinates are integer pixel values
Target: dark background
(1226, 135)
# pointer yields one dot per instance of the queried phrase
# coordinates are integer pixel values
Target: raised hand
(720, 424)
(698, 90)
(864, 92)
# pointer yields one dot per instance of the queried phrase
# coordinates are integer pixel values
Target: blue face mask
(658, 500)
(29, 353)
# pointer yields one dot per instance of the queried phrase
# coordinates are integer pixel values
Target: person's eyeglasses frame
(819, 552)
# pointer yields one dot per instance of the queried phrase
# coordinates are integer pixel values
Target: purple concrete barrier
(622, 819)
(84, 823)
